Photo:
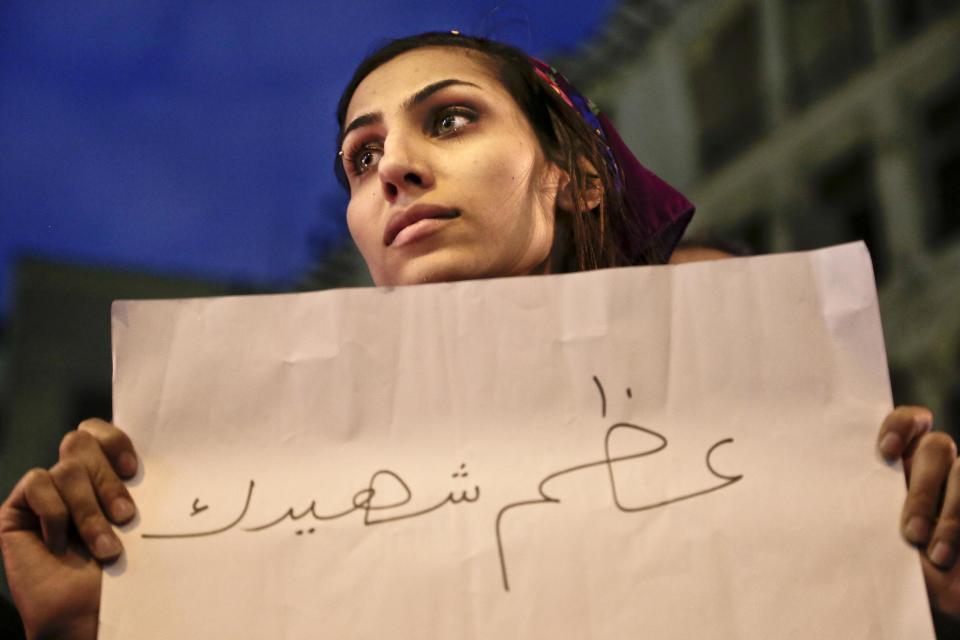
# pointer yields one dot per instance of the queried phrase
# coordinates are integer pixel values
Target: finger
(900, 428)
(932, 463)
(35, 500)
(110, 491)
(943, 546)
(116, 445)
(73, 483)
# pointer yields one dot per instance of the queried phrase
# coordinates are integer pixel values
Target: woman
(464, 159)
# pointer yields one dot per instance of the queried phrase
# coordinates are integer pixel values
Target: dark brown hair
(586, 238)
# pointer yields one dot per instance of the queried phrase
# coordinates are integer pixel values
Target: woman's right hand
(55, 531)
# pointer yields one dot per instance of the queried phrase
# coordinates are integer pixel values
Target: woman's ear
(568, 194)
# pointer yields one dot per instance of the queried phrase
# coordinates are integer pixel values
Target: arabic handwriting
(292, 514)
(198, 508)
(211, 532)
(363, 500)
(387, 492)
(449, 499)
(603, 397)
(693, 494)
(610, 462)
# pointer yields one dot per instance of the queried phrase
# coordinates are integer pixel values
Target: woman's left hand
(931, 514)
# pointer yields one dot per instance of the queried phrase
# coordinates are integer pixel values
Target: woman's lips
(414, 222)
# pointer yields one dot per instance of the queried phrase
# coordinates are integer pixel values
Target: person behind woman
(464, 159)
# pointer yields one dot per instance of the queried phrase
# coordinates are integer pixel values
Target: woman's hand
(55, 531)
(931, 513)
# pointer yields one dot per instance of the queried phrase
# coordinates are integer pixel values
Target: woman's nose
(404, 169)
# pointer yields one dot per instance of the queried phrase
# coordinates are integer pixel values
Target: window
(912, 15)
(846, 192)
(828, 40)
(942, 129)
(88, 403)
(952, 399)
(901, 384)
(727, 93)
(845, 209)
(952, 419)
(753, 233)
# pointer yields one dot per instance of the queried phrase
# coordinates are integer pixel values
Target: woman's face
(447, 179)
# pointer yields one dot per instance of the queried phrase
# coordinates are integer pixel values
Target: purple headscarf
(661, 213)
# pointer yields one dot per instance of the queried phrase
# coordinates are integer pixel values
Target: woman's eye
(450, 121)
(365, 158)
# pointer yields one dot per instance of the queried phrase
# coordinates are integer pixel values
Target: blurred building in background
(795, 124)
(55, 365)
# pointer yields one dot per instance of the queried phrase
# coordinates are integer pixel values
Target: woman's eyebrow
(414, 100)
(431, 89)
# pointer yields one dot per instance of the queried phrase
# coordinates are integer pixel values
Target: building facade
(795, 124)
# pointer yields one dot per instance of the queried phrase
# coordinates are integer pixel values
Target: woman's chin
(441, 266)
(452, 264)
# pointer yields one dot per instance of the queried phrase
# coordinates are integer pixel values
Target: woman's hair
(586, 238)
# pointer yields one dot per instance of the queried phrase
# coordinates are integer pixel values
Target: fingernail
(917, 530)
(128, 463)
(122, 509)
(942, 555)
(891, 445)
(106, 546)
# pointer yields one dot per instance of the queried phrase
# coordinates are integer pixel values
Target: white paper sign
(667, 452)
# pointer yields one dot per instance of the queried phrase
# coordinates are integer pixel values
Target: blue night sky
(196, 138)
